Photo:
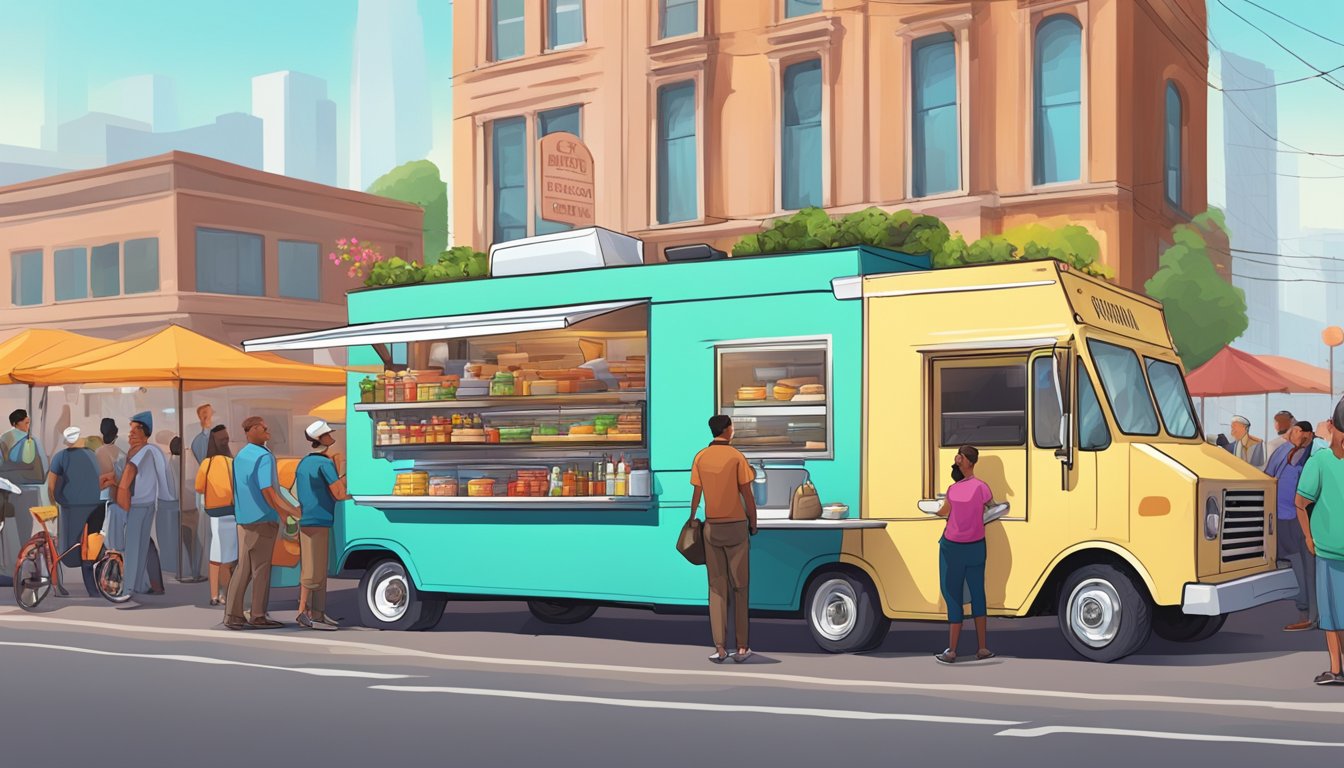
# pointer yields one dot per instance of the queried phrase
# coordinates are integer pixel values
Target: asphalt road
(162, 684)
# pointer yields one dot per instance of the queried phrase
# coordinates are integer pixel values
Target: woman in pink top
(961, 551)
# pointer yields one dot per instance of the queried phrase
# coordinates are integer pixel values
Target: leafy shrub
(812, 229)
(457, 263)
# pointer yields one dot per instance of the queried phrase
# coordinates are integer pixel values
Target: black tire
(33, 581)
(844, 613)
(110, 577)
(1171, 623)
(561, 611)
(1114, 613)
(389, 599)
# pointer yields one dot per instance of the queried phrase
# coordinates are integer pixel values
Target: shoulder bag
(220, 511)
(805, 505)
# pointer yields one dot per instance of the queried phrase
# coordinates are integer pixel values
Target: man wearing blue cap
(143, 484)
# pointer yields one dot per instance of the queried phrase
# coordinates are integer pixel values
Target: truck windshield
(1125, 389)
(1172, 398)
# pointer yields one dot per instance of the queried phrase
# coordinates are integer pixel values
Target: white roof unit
(576, 249)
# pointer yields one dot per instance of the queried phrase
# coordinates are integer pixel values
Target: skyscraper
(1250, 117)
(390, 120)
(150, 99)
(299, 125)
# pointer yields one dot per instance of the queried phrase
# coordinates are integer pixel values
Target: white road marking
(314, 671)
(1051, 730)
(714, 674)
(834, 714)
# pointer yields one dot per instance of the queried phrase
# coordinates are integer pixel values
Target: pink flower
(354, 241)
(341, 242)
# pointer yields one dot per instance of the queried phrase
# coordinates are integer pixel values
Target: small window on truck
(984, 405)
(1173, 400)
(1123, 384)
(1093, 434)
(1045, 414)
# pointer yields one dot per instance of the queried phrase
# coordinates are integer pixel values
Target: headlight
(1212, 518)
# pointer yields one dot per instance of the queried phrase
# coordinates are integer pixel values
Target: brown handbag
(805, 505)
(691, 542)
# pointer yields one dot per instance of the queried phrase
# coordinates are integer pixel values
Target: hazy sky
(211, 49)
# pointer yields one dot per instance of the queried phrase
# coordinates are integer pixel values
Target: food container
(481, 486)
(639, 483)
(515, 434)
(834, 511)
(502, 385)
(443, 486)
(491, 435)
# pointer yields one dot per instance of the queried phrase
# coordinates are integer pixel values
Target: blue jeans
(138, 522)
(962, 567)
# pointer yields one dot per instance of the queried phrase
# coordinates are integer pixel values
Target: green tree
(418, 182)
(1204, 311)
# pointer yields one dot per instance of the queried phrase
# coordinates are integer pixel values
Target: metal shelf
(506, 502)
(510, 452)
(777, 410)
(532, 401)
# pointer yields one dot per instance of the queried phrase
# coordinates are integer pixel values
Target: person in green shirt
(1322, 484)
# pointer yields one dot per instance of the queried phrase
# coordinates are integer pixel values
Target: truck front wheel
(388, 599)
(561, 611)
(1103, 614)
(845, 614)
(1171, 623)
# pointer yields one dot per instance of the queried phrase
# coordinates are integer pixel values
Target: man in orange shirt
(721, 474)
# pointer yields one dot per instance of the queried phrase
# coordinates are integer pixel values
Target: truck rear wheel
(1171, 623)
(388, 599)
(1103, 613)
(845, 614)
(561, 611)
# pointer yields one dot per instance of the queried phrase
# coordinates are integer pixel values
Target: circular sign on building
(567, 180)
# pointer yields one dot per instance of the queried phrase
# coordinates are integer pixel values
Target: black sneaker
(307, 622)
(1329, 678)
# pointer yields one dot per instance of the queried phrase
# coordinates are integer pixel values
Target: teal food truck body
(663, 348)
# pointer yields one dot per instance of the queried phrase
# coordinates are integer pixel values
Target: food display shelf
(808, 409)
(494, 403)
(505, 502)
(517, 453)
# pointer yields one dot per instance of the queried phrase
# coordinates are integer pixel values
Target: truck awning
(433, 328)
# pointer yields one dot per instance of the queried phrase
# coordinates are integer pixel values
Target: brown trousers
(314, 549)
(727, 559)
(256, 545)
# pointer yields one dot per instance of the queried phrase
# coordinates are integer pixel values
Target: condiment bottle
(569, 483)
(581, 484)
(557, 485)
(389, 387)
(410, 388)
(621, 478)
(610, 476)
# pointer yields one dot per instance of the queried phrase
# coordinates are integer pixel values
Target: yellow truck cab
(1122, 520)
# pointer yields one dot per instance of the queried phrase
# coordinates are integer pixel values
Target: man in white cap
(72, 482)
(319, 486)
(1246, 447)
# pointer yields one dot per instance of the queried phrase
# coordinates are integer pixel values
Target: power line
(1294, 23)
(1320, 269)
(1288, 280)
(1290, 51)
(1278, 84)
(1282, 255)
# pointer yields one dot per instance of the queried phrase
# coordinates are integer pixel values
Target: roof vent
(576, 249)
(697, 252)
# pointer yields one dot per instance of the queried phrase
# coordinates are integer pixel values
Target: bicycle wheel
(33, 579)
(108, 574)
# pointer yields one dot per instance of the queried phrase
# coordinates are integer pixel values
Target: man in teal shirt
(319, 486)
(256, 502)
(1322, 483)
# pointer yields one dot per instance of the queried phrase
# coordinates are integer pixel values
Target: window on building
(800, 162)
(564, 23)
(142, 265)
(800, 7)
(679, 17)
(1059, 100)
(25, 272)
(937, 148)
(677, 185)
(229, 262)
(105, 270)
(72, 274)
(299, 276)
(508, 150)
(563, 120)
(507, 29)
(1172, 145)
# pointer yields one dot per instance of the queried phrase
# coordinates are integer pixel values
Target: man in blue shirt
(73, 483)
(256, 502)
(319, 486)
(1285, 466)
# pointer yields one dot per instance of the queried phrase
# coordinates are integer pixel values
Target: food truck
(531, 438)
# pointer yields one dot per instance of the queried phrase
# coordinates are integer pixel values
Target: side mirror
(1063, 365)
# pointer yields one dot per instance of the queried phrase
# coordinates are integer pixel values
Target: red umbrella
(1233, 372)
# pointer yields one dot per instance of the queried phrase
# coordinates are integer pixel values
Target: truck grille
(1243, 525)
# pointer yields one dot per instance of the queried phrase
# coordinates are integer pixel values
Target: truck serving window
(1093, 434)
(984, 405)
(778, 395)
(1178, 413)
(1124, 386)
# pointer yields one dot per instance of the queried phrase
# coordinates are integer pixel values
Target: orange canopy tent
(1308, 379)
(333, 410)
(40, 345)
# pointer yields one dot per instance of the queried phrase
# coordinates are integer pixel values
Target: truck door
(982, 401)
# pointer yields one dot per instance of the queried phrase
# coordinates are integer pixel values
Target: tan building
(228, 251)
(708, 117)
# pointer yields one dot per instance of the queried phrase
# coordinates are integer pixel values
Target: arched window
(1172, 144)
(937, 149)
(1059, 99)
